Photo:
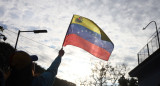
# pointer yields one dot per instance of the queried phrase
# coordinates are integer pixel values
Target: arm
(47, 78)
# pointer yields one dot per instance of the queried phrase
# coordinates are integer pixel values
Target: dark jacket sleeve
(47, 78)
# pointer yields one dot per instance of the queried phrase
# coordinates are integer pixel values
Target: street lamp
(35, 31)
(156, 30)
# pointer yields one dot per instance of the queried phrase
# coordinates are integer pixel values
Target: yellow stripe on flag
(90, 25)
(87, 23)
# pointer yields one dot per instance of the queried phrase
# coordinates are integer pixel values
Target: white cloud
(121, 20)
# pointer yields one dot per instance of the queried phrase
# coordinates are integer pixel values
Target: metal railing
(148, 49)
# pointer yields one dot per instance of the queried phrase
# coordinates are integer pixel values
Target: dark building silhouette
(148, 69)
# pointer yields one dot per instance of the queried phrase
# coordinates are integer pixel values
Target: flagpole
(67, 31)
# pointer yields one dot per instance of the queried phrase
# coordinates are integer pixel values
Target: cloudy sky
(121, 20)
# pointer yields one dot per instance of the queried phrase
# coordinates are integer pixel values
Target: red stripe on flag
(73, 39)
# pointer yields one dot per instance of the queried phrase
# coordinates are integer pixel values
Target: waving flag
(84, 33)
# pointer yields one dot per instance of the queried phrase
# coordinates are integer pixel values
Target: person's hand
(61, 52)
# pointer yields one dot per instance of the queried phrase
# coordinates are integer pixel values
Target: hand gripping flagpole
(67, 31)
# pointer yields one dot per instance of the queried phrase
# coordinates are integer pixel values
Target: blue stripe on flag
(91, 36)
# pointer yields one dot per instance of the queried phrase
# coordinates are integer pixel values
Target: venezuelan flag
(84, 33)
